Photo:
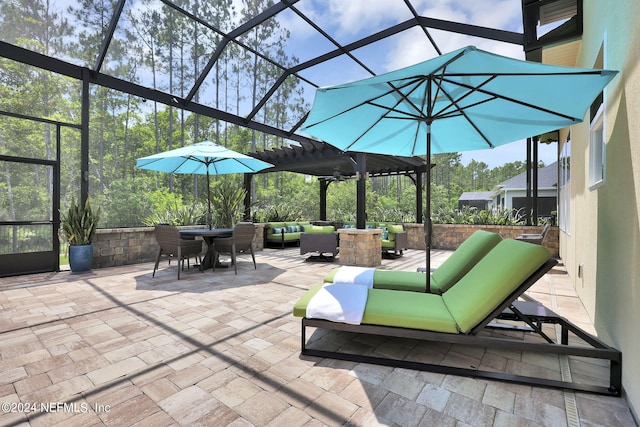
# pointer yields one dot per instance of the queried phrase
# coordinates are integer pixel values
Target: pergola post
(361, 191)
(419, 173)
(324, 185)
(248, 179)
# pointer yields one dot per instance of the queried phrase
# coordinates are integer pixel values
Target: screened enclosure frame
(528, 39)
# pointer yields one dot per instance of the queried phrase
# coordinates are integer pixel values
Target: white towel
(339, 302)
(355, 275)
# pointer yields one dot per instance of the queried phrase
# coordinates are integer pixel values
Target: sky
(351, 20)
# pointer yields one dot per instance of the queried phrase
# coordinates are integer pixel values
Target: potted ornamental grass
(79, 226)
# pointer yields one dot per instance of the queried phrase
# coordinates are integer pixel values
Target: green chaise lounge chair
(487, 292)
(457, 265)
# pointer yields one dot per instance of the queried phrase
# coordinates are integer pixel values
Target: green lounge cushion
(393, 279)
(464, 258)
(300, 307)
(452, 269)
(492, 280)
(396, 308)
(400, 280)
(408, 310)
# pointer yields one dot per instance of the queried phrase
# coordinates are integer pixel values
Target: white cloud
(354, 16)
(504, 14)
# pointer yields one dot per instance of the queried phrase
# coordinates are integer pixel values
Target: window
(564, 184)
(597, 147)
(597, 150)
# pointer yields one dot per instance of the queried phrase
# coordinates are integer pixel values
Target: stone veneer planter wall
(449, 236)
(362, 248)
(123, 246)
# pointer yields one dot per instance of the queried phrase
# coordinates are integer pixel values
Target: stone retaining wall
(123, 246)
(450, 236)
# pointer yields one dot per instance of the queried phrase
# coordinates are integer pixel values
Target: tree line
(163, 49)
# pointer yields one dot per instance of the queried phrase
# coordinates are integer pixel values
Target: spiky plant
(79, 224)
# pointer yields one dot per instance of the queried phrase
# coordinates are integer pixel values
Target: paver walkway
(117, 347)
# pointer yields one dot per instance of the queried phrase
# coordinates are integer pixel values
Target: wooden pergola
(330, 164)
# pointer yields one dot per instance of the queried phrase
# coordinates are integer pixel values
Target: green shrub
(177, 214)
(227, 202)
(286, 211)
(473, 215)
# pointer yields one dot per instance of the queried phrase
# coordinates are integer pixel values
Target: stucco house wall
(604, 234)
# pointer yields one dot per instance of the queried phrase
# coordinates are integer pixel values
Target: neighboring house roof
(547, 178)
(476, 195)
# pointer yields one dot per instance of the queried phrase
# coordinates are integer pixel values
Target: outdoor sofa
(487, 292)
(280, 232)
(452, 269)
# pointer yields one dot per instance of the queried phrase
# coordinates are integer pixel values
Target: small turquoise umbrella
(468, 99)
(202, 158)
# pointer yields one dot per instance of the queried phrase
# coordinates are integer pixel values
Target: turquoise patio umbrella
(467, 99)
(203, 157)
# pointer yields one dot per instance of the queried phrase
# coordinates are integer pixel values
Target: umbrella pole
(427, 219)
(209, 217)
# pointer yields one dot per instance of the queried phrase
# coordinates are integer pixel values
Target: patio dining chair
(240, 242)
(171, 244)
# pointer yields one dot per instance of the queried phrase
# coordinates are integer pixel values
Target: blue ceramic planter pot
(80, 258)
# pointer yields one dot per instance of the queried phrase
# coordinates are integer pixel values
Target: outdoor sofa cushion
(492, 281)
(319, 229)
(452, 269)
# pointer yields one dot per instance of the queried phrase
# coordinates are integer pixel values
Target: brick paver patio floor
(117, 347)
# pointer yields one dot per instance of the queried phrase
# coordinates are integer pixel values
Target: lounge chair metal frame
(509, 310)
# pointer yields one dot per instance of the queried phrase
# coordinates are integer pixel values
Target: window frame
(564, 187)
(597, 150)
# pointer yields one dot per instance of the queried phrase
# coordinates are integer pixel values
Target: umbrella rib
(368, 101)
(406, 114)
(515, 101)
(185, 160)
(365, 132)
(245, 164)
(418, 79)
(403, 97)
(461, 110)
(533, 74)
(455, 103)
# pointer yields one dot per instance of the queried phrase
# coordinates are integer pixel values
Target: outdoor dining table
(209, 237)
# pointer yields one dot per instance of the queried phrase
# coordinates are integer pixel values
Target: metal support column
(534, 171)
(528, 186)
(419, 214)
(84, 138)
